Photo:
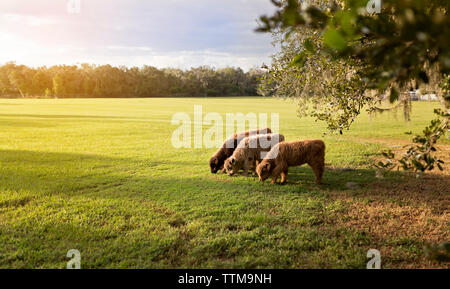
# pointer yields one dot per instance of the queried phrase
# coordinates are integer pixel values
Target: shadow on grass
(15, 123)
(85, 174)
(242, 216)
(71, 173)
(333, 178)
(432, 189)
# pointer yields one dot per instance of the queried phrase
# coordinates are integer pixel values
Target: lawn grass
(101, 176)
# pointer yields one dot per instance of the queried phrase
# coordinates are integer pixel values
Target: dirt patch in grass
(401, 217)
(401, 212)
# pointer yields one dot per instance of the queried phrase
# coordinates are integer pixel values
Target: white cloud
(19, 19)
(188, 59)
(128, 56)
(162, 33)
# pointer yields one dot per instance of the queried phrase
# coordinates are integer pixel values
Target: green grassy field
(101, 176)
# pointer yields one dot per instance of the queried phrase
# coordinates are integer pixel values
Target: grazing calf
(218, 159)
(289, 154)
(250, 151)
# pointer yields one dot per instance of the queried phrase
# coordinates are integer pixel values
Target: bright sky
(161, 33)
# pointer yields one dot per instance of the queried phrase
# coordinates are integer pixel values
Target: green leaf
(335, 40)
(299, 59)
(346, 20)
(309, 45)
(418, 165)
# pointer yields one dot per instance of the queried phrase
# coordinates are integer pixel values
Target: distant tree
(18, 81)
(252, 81)
(48, 92)
(88, 80)
(6, 88)
(203, 75)
(41, 82)
(59, 88)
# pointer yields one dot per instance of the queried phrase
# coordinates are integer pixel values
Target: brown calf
(290, 154)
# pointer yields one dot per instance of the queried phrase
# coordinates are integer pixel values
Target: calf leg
(255, 165)
(246, 166)
(318, 169)
(275, 174)
(252, 165)
(284, 175)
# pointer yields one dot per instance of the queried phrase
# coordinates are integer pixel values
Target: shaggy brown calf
(218, 159)
(250, 151)
(289, 154)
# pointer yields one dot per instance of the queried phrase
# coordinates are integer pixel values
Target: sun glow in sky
(161, 33)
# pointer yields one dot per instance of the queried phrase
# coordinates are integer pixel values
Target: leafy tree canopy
(338, 57)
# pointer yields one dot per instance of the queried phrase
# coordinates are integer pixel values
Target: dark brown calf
(218, 159)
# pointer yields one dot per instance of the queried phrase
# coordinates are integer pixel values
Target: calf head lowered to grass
(289, 154)
(250, 152)
(226, 150)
